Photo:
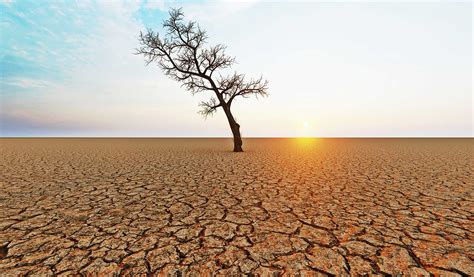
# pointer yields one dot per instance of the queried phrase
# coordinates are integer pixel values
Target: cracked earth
(188, 206)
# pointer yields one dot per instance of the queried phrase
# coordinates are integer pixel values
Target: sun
(305, 129)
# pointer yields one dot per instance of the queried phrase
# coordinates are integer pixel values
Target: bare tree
(182, 55)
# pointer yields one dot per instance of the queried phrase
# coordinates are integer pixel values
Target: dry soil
(187, 206)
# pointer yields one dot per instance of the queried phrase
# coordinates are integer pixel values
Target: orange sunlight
(306, 142)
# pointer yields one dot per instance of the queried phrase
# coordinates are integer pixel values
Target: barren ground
(318, 207)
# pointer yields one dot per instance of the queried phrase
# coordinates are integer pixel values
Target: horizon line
(229, 137)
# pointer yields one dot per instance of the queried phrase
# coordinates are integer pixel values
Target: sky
(335, 69)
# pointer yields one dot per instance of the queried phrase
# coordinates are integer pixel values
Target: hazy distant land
(320, 206)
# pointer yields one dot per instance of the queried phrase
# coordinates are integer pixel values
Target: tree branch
(182, 56)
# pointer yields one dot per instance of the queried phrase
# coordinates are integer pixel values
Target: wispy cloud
(25, 83)
(155, 4)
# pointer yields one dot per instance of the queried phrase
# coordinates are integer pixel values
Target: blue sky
(335, 68)
(42, 39)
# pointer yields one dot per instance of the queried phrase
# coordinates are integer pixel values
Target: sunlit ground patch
(307, 142)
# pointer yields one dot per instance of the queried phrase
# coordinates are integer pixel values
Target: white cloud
(27, 83)
(155, 4)
(214, 10)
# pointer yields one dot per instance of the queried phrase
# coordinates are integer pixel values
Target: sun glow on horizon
(306, 143)
(306, 130)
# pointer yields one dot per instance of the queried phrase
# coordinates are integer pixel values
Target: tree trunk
(235, 127)
(237, 138)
